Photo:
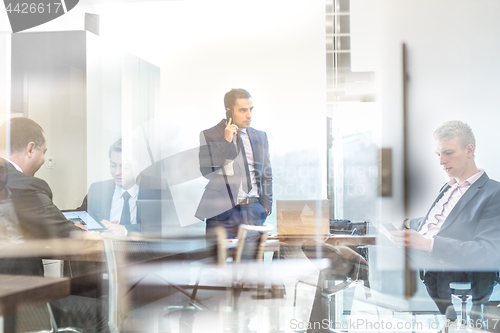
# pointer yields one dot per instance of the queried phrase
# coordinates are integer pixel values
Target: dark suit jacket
(222, 189)
(98, 203)
(470, 235)
(38, 218)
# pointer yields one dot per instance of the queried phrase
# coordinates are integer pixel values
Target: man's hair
(231, 96)
(116, 147)
(456, 128)
(22, 132)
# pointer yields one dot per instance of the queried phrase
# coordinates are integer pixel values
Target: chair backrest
(125, 253)
(345, 263)
(242, 234)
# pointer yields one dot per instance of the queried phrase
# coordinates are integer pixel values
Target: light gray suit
(470, 235)
(469, 239)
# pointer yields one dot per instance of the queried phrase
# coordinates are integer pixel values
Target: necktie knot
(126, 196)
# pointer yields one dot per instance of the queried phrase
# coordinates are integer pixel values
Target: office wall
(48, 86)
(84, 94)
(275, 50)
(453, 52)
(66, 104)
(122, 93)
(4, 73)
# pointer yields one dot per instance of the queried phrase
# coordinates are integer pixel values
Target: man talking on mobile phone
(234, 157)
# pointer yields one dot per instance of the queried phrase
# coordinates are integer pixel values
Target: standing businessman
(234, 157)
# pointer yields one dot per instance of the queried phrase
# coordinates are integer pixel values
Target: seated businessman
(27, 212)
(122, 205)
(38, 217)
(234, 157)
(462, 227)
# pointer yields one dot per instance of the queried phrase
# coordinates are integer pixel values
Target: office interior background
(326, 78)
(305, 62)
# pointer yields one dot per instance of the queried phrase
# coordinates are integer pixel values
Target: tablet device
(85, 219)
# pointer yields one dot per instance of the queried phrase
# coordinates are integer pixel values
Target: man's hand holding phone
(408, 238)
(230, 131)
(80, 225)
(412, 239)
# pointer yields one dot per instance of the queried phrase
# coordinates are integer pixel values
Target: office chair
(462, 291)
(124, 254)
(237, 253)
(347, 266)
(40, 316)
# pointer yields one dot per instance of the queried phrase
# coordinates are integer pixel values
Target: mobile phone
(229, 116)
(77, 219)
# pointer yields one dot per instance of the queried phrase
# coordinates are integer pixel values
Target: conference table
(232, 276)
(337, 239)
(92, 249)
(18, 292)
(84, 249)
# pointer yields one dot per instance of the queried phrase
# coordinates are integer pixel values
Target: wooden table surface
(61, 248)
(351, 240)
(18, 292)
(332, 240)
(92, 249)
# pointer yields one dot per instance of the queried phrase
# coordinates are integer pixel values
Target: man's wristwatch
(405, 225)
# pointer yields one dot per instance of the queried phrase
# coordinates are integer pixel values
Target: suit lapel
(255, 143)
(221, 129)
(142, 195)
(110, 189)
(464, 200)
(440, 195)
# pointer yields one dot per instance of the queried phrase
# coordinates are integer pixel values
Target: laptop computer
(85, 219)
(303, 218)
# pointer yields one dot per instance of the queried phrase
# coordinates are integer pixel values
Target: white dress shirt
(445, 205)
(117, 203)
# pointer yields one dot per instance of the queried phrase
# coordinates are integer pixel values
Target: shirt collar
(469, 181)
(243, 130)
(133, 191)
(18, 168)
